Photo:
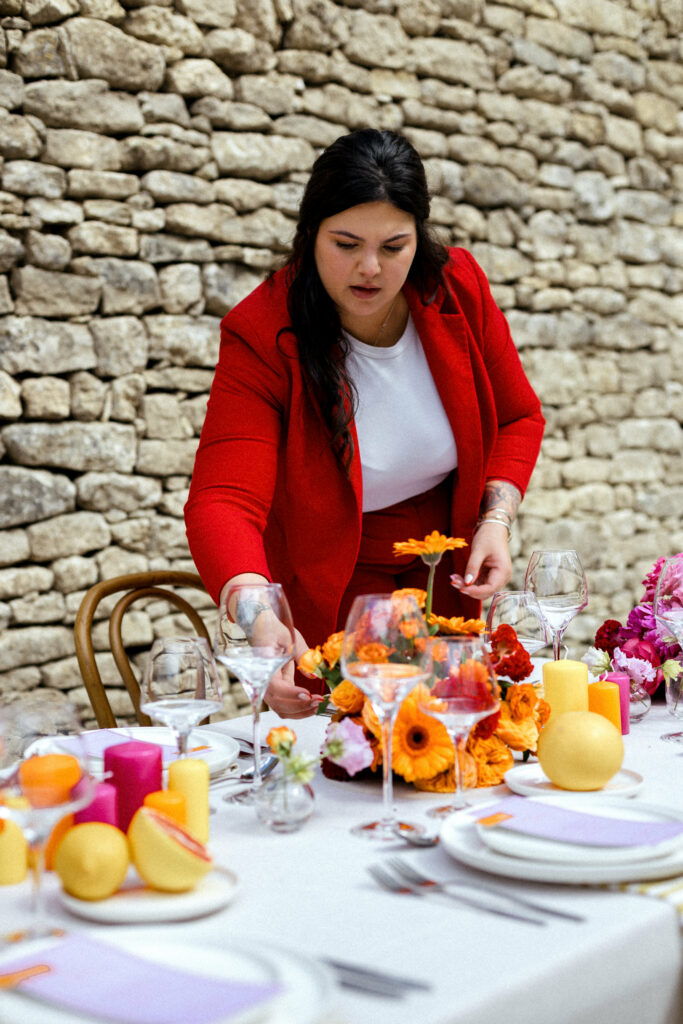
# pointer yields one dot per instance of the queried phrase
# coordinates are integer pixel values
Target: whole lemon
(166, 855)
(580, 750)
(92, 860)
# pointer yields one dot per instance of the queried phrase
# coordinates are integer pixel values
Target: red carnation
(607, 637)
(511, 660)
(485, 729)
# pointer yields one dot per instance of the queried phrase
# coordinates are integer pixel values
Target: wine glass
(254, 639)
(519, 609)
(180, 685)
(667, 606)
(463, 691)
(558, 582)
(386, 652)
(44, 776)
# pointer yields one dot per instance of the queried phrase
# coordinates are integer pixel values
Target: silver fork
(410, 875)
(398, 885)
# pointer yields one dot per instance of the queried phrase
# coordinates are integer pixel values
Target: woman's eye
(345, 245)
(393, 248)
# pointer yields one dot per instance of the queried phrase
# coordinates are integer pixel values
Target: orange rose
(419, 595)
(492, 759)
(521, 698)
(374, 652)
(332, 647)
(542, 712)
(280, 736)
(347, 698)
(310, 661)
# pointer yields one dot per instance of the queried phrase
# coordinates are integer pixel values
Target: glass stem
(256, 739)
(459, 740)
(387, 719)
(557, 642)
(38, 897)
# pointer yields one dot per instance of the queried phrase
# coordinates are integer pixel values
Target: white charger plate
(460, 839)
(531, 780)
(135, 903)
(307, 984)
(221, 750)
(518, 844)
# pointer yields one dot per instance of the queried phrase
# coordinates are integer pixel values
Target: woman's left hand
(489, 566)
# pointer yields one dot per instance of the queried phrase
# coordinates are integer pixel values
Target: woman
(366, 393)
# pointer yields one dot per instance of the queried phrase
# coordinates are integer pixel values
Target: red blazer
(267, 493)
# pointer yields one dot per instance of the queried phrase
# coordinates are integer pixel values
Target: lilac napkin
(105, 982)
(550, 821)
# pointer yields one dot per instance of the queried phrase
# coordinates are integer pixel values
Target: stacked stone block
(152, 157)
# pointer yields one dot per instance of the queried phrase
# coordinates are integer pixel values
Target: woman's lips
(361, 292)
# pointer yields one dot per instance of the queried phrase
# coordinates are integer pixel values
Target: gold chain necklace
(385, 321)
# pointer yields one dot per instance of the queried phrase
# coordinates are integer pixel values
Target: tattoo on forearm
(500, 494)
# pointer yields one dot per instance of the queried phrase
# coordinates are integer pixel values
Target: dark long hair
(365, 166)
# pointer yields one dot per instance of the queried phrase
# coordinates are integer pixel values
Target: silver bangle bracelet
(497, 508)
(493, 519)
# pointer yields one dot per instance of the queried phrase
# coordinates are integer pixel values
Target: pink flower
(642, 649)
(638, 669)
(348, 746)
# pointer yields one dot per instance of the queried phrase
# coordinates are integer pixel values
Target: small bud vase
(640, 702)
(284, 805)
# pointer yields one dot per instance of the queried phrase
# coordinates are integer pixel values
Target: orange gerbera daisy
(421, 746)
(431, 548)
(457, 626)
(492, 759)
(332, 648)
(522, 700)
(347, 698)
(519, 735)
(444, 782)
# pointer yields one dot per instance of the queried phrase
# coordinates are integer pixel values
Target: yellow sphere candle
(565, 686)
(190, 777)
(603, 698)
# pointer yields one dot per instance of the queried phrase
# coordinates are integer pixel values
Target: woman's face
(363, 256)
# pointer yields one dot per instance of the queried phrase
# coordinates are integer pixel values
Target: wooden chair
(136, 586)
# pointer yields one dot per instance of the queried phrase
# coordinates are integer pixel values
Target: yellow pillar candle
(603, 698)
(13, 853)
(191, 777)
(565, 685)
(169, 802)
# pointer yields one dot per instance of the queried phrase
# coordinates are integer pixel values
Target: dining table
(310, 893)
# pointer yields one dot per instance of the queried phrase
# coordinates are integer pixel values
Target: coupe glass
(558, 581)
(463, 691)
(385, 653)
(254, 639)
(667, 606)
(180, 685)
(44, 776)
(519, 609)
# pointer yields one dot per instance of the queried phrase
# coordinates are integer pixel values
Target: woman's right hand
(284, 697)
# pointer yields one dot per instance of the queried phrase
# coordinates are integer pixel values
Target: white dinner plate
(216, 748)
(135, 903)
(461, 840)
(307, 984)
(531, 780)
(519, 844)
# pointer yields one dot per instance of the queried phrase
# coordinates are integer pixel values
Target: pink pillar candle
(104, 806)
(624, 683)
(135, 771)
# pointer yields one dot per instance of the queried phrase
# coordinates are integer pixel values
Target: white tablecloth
(310, 891)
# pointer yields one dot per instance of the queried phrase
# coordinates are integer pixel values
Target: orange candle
(169, 802)
(565, 685)
(603, 698)
(47, 779)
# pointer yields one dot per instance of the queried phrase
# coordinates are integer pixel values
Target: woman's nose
(369, 263)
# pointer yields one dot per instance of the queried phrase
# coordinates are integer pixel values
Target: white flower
(598, 661)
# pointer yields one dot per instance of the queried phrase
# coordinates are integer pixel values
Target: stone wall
(152, 157)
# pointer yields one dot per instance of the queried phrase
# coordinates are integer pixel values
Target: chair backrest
(135, 587)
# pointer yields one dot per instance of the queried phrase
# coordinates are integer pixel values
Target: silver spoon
(247, 775)
(417, 838)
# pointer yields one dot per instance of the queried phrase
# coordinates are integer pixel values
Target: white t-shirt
(405, 441)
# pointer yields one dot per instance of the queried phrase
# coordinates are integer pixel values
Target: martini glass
(558, 582)
(463, 690)
(180, 686)
(667, 606)
(44, 776)
(386, 652)
(254, 639)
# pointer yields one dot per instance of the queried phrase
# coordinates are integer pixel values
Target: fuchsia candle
(135, 771)
(103, 807)
(624, 684)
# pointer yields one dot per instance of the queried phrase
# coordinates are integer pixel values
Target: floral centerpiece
(422, 750)
(642, 649)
